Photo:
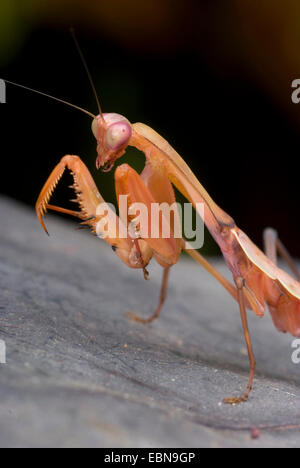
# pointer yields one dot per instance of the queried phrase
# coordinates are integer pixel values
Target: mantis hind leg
(273, 245)
(240, 283)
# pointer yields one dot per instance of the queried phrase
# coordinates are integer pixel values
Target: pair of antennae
(65, 102)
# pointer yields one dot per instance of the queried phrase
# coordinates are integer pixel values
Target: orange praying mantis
(258, 281)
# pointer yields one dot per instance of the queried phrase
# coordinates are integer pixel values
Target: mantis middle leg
(149, 188)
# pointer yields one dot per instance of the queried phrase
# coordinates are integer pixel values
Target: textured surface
(79, 373)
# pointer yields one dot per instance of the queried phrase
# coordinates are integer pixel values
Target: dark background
(213, 77)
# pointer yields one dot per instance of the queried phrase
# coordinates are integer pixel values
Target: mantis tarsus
(258, 280)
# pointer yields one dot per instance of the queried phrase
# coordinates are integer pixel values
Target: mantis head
(112, 132)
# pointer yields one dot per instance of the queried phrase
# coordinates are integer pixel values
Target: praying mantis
(258, 281)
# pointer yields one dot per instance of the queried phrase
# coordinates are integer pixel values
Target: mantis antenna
(51, 97)
(61, 100)
(87, 71)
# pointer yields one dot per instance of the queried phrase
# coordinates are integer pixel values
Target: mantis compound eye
(95, 128)
(118, 134)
